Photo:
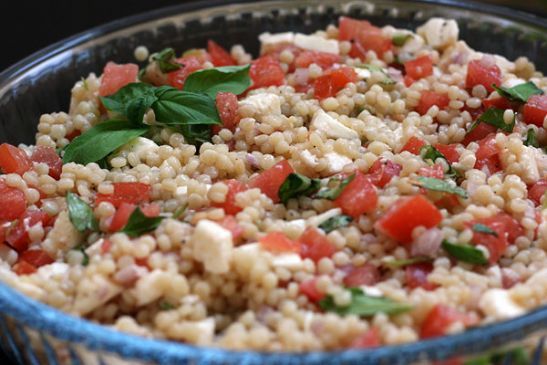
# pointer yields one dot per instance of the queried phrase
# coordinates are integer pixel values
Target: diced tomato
(479, 132)
(483, 72)
(219, 56)
(408, 80)
(23, 268)
(278, 242)
(500, 103)
(106, 246)
(266, 71)
(75, 133)
(419, 68)
(535, 110)
(323, 59)
(227, 110)
(13, 160)
(333, 81)
(449, 151)
(358, 197)
(536, 191)
(189, 64)
(448, 202)
(126, 192)
(416, 276)
(435, 171)
(414, 145)
(349, 28)
(117, 76)
(36, 258)
(440, 318)
(365, 37)
(151, 210)
(430, 98)
(509, 278)
(369, 339)
(488, 155)
(48, 156)
(315, 245)
(309, 289)
(270, 180)
(382, 171)
(406, 214)
(120, 218)
(12, 202)
(229, 204)
(230, 223)
(367, 274)
(17, 235)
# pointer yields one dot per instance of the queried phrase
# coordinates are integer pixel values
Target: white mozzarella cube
(439, 32)
(331, 127)
(316, 43)
(268, 39)
(336, 162)
(212, 245)
(497, 303)
(263, 103)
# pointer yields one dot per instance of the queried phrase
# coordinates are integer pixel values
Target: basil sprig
(296, 185)
(233, 79)
(166, 60)
(373, 68)
(494, 117)
(431, 183)
(364, 305)
(336, 222)
(531, 138)
(139, 224)
(429, 152)
(396, 264)
(481, 228)
(80, 213)
(520, 92)
(399, 39)
(465, 253)
(333, 193)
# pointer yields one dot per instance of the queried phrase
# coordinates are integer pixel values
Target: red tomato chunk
(12, 202)
(322, 59)
(315, 245)
(358, 197)
(17, 235)
(13, 160)
(124, 211)
(430, 98)
(483, 72)
(189, 64)
(488, 155)
(126, 192)
(270, 180)
(479, 132)
(406, 214)
(229, 205)
(414, 145)
(23, 268)
(309, 289)
(227, 105)
(382, 171)
(266, 71)
(535, 110)
(366, 37)
(435, 171)
(367, 274)
(369, 339)
(419, 68)
(416, 276)
(117, 76)
(230, 223)
(278, 242)
(48, 156)
(449, 151)
(36, 258)
(333, 81)
(219, 56)
(536, 191)
(440, 318)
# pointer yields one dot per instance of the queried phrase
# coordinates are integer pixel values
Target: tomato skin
(278, 242)
(269, 181)
(13, 160)
(430, 98)
(414, 145)
(500, 103)
(419, 68)
(48, 156)
(120, 218)
(435, 171)
(315, 245)
(382, 171)
(332, 81)
(17, 235)
(406, 214)
(536, 191)
(309, 289)
(483, 72)
(230, 223)
(322, 59)
(479, 132)
(367, 274)
(535, 110)
(358, 197)
(440, 318)
(369, 339)
(449, 151)
(227, 106)
(350, 28)
(117, 76)
(36, 258)
(219, 56)
(416, 276)
(189, 64)
(23, 268)
(229, 204)
(488, 155)
(12, 202)
(373, 40)
(266, 71)
(365, 36)
(126, 192)
(106, 246)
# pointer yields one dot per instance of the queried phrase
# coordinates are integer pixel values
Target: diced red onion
(428, 243)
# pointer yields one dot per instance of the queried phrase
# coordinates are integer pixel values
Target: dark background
(28, 26)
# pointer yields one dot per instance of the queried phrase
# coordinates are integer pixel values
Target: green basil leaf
(364, 305)
(431, 183)
(296, 185)
(428, 152)
(336, 222)
(531, 138)
(80, 213)
(131, 101)
(396, 264)
(519, 92)
(166, 60)
(99, 141)
(399, 39)
(494, 116)
(465, 253)
(234, 79)
(85, 259)
(373, 68)
(180, 211)
(333, 193)
(139, 224)
(481, 228)
(166, 306)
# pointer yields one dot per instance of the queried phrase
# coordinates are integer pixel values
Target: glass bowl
(37, 334)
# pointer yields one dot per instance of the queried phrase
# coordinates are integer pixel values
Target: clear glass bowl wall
(36, 334)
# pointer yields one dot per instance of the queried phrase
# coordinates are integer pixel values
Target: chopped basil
(428, 152)
(180, 211)
(80, 213)
(531, 138)
(465, 253)
(431, 183)
(131, 101)
(396, 264)
(494, 116)
(166, 60)
(85, 259)
(399, 39)
(364, 305)
(234, 79)
(296, 185)
(139, 224)
(373, 68)
(481, 228)
(519, 92)
(516, 356)
(336, 222)
(333, 193)
(166, 306)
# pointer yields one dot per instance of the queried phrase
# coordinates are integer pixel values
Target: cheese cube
(212, 245)
(331, 127)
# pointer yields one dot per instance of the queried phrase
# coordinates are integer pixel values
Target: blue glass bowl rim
(41, 317)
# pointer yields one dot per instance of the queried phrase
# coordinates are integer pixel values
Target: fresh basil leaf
(234, 79)
(494, 116)
(431, 183)
(139, 224)
(99, 141)
(180, 211)
(465, 253)
(399, 39)
(166, 306)
(336, 222)
(364, 305)
(373, 68)
(166, 60)
(531, 138)
(519, 92)
(333, 193)
(481, 228)
(80, 213)
(81, 248)
(131, 101)
(296, 185)
(428, 152)
(396, 264)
